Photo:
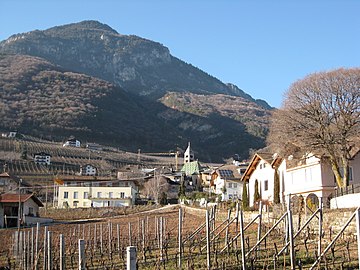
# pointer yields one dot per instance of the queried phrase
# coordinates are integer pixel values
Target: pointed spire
(188, 155)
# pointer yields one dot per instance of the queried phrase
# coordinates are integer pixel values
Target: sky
(260, 46)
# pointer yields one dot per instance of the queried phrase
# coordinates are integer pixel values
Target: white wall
(346, 201)
(264, 174)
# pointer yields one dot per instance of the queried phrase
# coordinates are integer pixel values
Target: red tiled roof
(11, 198)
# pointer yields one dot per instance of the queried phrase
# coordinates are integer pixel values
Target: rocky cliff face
(136, 64)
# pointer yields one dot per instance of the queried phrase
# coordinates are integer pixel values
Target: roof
(272, 159)
(14, 198)
(229, 171)
(42, 154)
(191, 168)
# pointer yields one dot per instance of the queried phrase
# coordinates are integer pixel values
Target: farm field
(213, 238)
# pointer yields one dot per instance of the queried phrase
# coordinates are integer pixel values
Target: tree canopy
(320, 114)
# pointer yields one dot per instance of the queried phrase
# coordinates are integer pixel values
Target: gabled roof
(271, 159)
(228, 171)
(191, 168)
(14, 198)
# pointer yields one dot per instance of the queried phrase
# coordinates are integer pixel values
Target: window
(264, 165)
(75, 203)
(86, 195)
(66, 195)
(229, 185)
(342, 174)
(110, 194)
(31, 211)
(260, 166)
(266, 185)
(99, 194)
(76, 195)
(122, 195)
(235, 185)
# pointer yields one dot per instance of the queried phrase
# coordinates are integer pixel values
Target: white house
(88, 169)
(309, 176)
(262, 168)
(72, 142)
(42, 158)
(226, 181)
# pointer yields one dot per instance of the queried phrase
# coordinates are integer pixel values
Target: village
(307, 178)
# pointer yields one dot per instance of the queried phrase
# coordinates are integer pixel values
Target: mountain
(123, 89)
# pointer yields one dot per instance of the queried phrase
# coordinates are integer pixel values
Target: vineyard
(67, 160)
(184, 238)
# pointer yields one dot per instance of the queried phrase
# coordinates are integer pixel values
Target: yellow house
(90, 196)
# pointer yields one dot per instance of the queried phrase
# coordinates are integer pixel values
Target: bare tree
(321, 114)
(154, 187)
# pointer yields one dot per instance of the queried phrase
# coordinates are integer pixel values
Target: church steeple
(188, 155)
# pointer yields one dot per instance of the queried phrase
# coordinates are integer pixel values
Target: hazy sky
(261, 46)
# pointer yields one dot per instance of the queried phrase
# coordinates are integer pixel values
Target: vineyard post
(129, 224)
(109, 234)
(101, 238)
(243, 262)
(227, 230)
(147, 228)
(138, 229)
(28, 258)
(37, 244)
(320, 224)
(208, 239)
(23, 240)
(291, 238)
(358, 231)
(131, 258)
(45, 246)
(156, 231)
(32, 248)
(259, 226)
(46, 198)
(161, 238)
(16, 244)
(143, 236)
(49, 260)
(118, 237)
(180, 237)
(81, 254)
(236, 222)
(62, 252)
(95, 242)
(286, 224)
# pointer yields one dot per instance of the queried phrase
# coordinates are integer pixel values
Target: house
(11, 134)
(9, 209)
(42, 158)
(88, 169)
(226, 181)
(308, 177)
(261, 169)
(72, 142)
(88, 191)
(11, 183)
(94, 147)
